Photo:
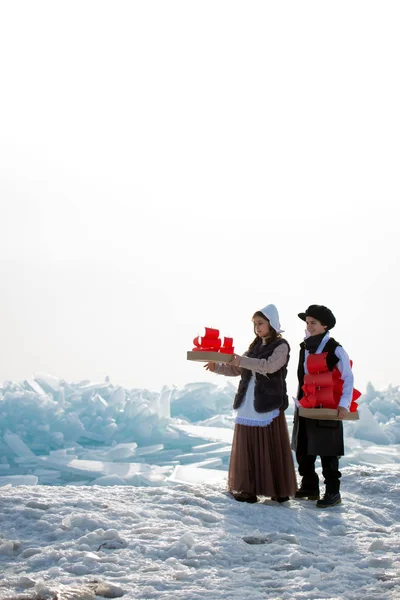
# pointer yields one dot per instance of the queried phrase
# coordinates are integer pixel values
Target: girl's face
(261, 327)
(315, 327)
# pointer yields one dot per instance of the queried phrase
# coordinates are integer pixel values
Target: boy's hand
(342, 412)
(210, 366)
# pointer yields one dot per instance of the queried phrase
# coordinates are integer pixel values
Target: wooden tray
(328, 414)
(210, 357)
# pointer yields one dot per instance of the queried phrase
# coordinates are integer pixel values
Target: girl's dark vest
(269, 390)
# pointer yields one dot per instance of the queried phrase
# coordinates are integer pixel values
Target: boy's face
(315, 327)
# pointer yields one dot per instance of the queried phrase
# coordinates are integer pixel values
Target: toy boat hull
(205, 356)
(328, 414)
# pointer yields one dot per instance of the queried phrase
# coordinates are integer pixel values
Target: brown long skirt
(261, 460)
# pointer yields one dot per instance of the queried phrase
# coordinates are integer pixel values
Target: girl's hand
(210, 366)
(342, 412)
(236, 360)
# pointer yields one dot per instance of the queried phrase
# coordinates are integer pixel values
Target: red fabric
(324, 388)
(211, 342)
(211, 333)
(227, 347)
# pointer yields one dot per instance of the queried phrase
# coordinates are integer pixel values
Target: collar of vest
(322, 344)
(261, 350)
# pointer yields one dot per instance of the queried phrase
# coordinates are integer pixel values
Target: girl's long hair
(273, 335)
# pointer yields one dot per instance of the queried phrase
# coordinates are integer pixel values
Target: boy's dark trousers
(306, 463)
(330, 471)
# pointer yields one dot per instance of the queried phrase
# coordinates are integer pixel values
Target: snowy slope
(194, 541)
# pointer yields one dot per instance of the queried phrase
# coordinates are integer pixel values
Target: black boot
(245, 497)
(307, 494)
(329, 499)
(280, 499)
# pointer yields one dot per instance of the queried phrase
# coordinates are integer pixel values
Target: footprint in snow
(38, 505)
(251, 539)
(112, 545)
(271, 538)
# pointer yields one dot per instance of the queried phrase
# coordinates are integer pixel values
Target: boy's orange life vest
(323, 388)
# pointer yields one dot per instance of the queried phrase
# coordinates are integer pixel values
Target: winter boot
(245, 497)
(305, 494)
(329, 499)
(280, 499)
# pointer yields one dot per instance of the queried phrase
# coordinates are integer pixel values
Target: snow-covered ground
(108, 492)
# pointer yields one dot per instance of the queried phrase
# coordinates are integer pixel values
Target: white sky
(166, 166)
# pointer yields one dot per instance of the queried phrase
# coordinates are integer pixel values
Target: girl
(261, 459)
(320, 437)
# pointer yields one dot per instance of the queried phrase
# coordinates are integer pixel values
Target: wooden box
(329, 414)
(209, 357)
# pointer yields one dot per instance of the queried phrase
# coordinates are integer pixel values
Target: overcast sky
(166, 166)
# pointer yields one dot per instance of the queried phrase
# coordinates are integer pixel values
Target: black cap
(321, 313)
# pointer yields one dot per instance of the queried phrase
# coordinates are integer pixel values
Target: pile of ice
(200, 402)
(48, 412)
(56, 432)
(379, 416)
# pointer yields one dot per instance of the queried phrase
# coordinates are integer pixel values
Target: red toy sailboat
(210, 348)
(323, 389)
